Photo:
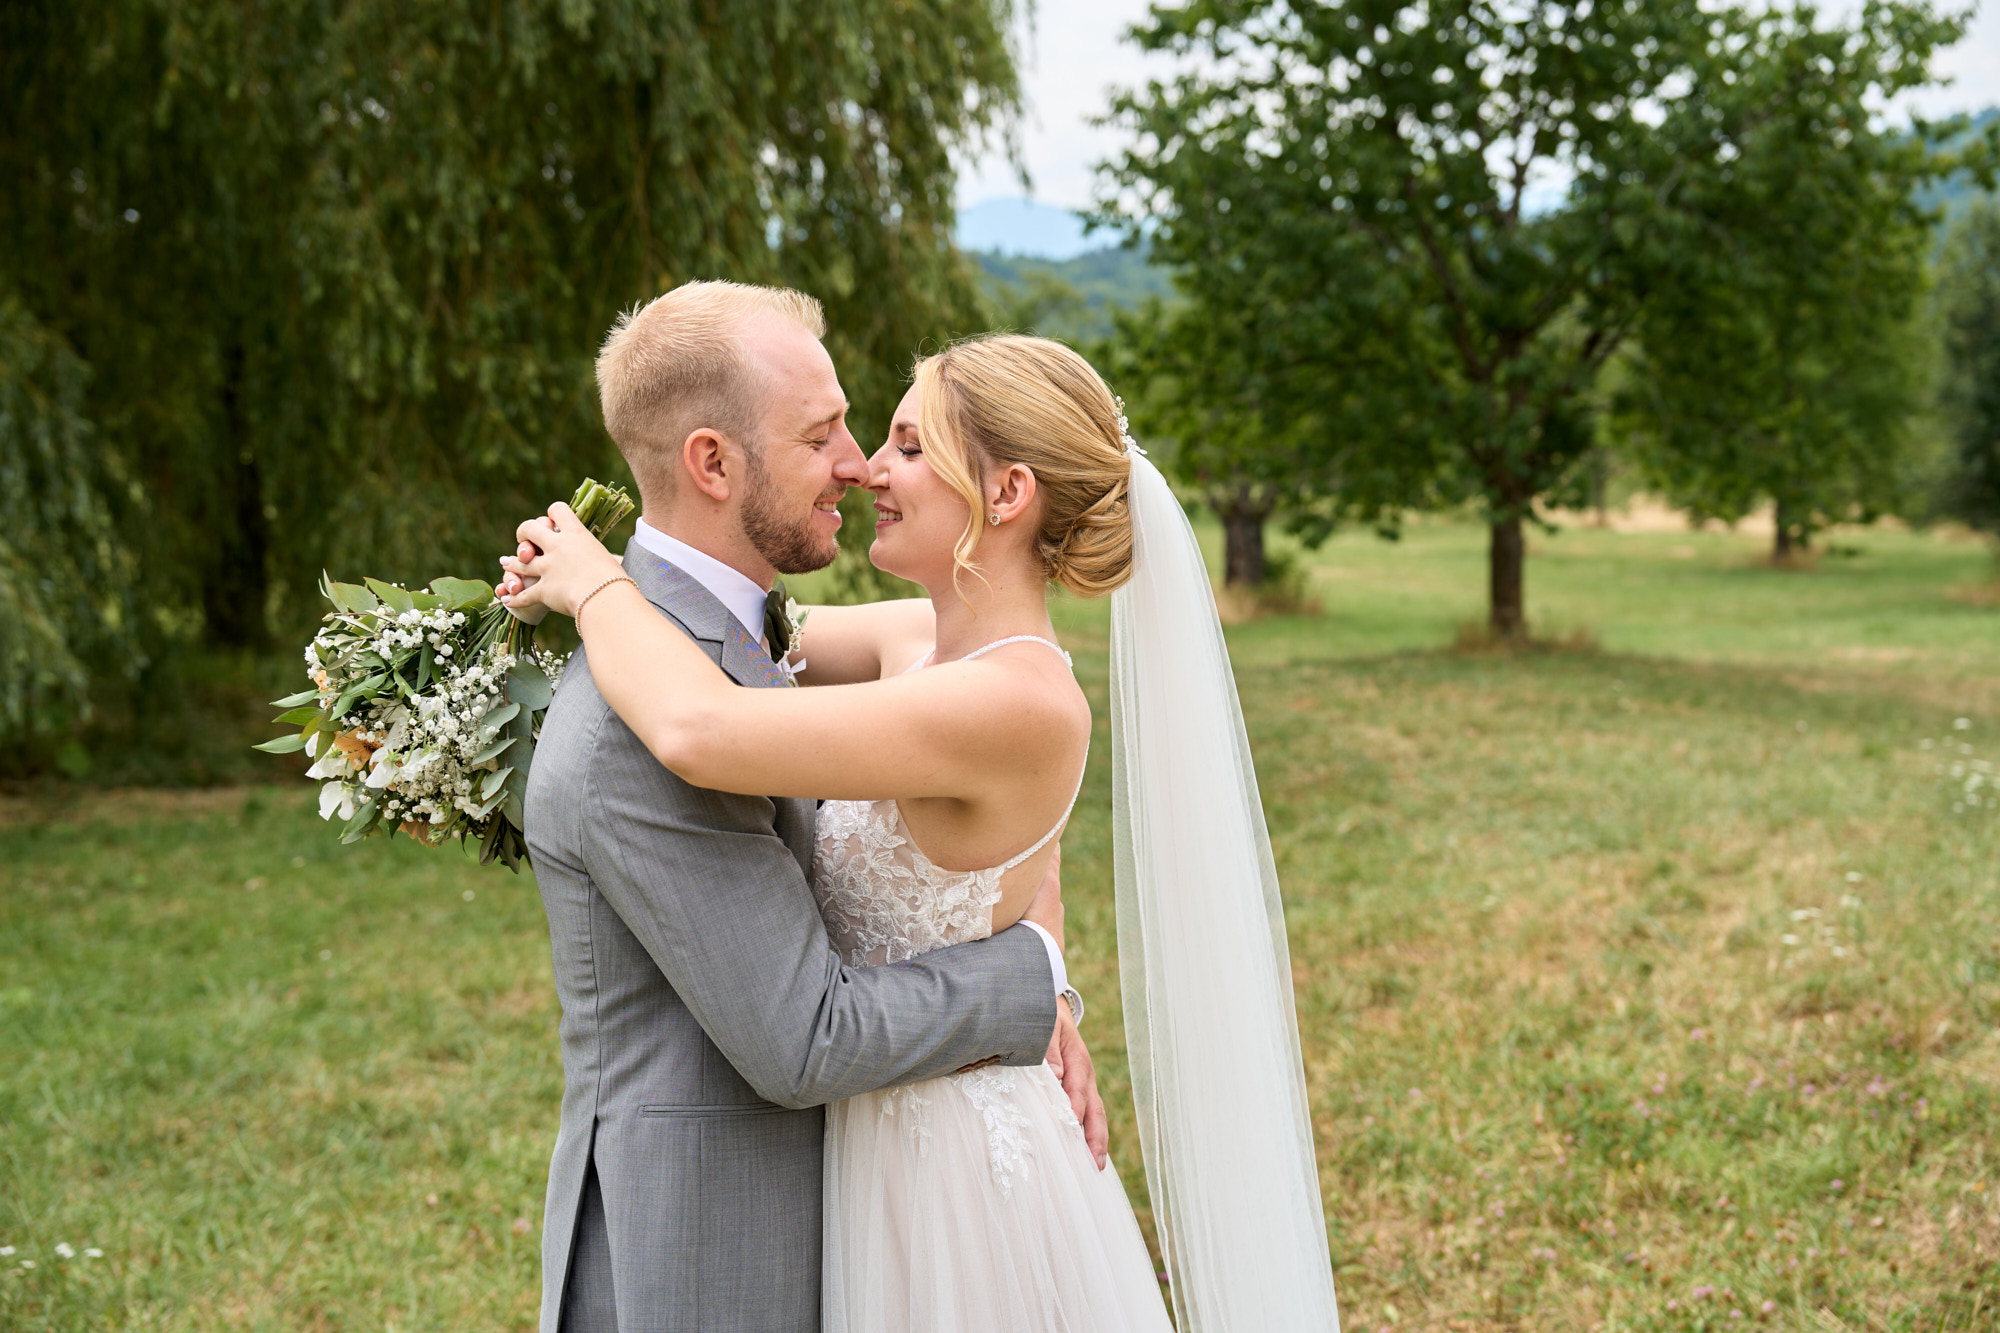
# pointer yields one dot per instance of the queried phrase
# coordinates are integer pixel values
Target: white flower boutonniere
(795, 637)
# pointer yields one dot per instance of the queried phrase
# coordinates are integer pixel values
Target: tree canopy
(1445, 219)
(321, 284)
(1969, 300)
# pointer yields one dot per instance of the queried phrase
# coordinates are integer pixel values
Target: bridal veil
(1205, 972)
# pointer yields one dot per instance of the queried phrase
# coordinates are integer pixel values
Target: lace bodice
(883, 900)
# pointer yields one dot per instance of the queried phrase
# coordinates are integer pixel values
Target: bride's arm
(845, 644)
(951, 731)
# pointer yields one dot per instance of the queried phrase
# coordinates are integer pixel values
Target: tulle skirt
(970, 1204)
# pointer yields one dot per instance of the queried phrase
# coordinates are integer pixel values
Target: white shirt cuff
(1055, 956)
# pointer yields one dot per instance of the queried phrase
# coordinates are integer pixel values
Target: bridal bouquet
(425, 705)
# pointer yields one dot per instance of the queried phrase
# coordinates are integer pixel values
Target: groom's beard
(791, 545)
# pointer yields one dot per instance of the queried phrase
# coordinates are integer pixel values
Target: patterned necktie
(777, 625)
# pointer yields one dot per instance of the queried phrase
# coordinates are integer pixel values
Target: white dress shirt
(745, 600)
(732, 587)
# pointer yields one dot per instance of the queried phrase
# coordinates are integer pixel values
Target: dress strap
(981, 651)
(1016, 638)
(1048, 837)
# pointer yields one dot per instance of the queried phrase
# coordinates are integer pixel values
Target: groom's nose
(849, 463)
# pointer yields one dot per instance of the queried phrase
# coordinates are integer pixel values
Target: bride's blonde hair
(1003, 399)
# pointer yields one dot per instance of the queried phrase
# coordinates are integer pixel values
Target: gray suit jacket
(706, 1017)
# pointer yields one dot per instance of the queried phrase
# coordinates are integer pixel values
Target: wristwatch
(1075, 1003)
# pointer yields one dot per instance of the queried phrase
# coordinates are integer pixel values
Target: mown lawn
(1640, 987)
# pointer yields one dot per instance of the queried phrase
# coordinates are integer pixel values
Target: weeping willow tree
(316, 285)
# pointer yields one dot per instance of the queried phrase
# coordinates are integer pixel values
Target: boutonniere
(784, 628)
(795, 622)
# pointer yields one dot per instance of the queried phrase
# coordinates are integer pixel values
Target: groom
(706, 1017)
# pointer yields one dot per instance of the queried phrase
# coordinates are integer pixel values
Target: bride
(950, 747)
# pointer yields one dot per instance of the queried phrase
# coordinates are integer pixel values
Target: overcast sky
(1076, 54)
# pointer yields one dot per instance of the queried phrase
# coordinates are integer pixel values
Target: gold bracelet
(578, 617)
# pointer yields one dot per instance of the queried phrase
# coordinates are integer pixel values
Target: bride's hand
(557, 565)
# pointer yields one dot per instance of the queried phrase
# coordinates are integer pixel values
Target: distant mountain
(1024, 227)
(1072, 299)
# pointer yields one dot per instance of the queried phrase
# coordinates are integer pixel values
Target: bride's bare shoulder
(843, 645)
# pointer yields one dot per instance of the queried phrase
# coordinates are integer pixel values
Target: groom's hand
(1072, 1065)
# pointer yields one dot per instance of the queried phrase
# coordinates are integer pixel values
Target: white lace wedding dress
(969, 1203)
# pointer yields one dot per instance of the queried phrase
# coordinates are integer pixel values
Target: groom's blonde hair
(676, 364)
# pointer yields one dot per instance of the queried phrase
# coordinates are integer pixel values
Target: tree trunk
(1242, 511)
(236, 580)
(1792, 534)
(1505, 569)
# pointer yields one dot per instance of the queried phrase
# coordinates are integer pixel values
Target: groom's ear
(711, 463)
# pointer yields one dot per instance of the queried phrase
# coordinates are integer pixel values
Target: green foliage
(65, 571)
(338, 273)
(1969, 306)
(1348, 191)
(1780, 356)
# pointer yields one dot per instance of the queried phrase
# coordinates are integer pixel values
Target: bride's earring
(994, 519)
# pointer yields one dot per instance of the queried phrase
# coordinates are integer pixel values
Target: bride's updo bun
(1003, 399)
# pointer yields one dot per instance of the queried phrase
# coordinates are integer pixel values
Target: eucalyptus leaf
(396, 599)
(297, 716)
(283, 745)
(529, 686)
(349, 597)
(463, 594)
(495, 750)
(294, 700)
(498, 717)
(494, 782)
(365, 818)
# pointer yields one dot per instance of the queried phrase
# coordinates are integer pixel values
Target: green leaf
(283, 745)
(348, 597)
(529, 686)
(497, 718)
(495, 750)
(494, 782)
(297, 717)
(463, 594)
(363, 823)
(396, 599)
(294, 700)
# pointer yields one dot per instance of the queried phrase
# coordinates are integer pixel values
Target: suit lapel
(708, 621)
(703, 616)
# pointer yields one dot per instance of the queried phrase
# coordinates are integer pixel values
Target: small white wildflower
(63, 1250)
(93, 1253)
(27, 1263)
(6, 1251)
(1789, 939)
(1961, 724)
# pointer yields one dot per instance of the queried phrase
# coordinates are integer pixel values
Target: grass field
(1653, 987)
